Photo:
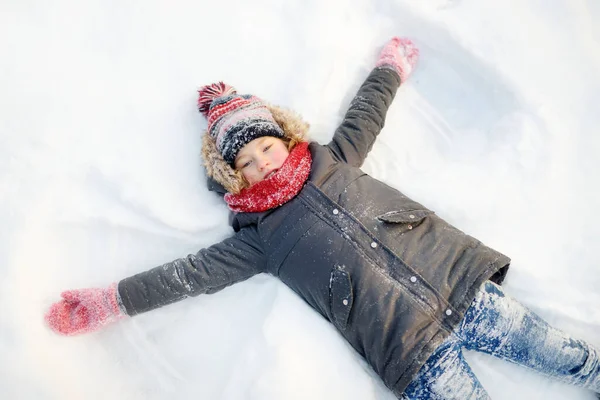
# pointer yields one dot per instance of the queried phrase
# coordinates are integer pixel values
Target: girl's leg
(446, 376)
(499, 325)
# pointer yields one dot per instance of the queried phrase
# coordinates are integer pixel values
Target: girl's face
(260, 158)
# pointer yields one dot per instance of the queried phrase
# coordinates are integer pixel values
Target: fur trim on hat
(294, 128)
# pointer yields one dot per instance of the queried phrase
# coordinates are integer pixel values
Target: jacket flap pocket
(404, 217)
(341, 298)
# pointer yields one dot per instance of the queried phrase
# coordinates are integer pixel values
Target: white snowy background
(100, 177)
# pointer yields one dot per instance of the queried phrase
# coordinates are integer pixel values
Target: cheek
(251, 175)
(281, 156)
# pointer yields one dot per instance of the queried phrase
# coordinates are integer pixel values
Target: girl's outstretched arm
(233, 260)
(365, 118)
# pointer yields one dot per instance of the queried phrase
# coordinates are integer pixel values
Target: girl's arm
(365, 118)
(208, 271)
(233, 260)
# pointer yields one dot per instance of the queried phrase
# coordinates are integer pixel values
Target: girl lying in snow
(406, 289)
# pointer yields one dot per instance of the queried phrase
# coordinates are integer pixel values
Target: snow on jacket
(392, 276)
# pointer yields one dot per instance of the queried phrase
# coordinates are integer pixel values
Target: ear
(218, 169)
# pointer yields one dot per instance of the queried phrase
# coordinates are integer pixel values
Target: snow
(100, 178)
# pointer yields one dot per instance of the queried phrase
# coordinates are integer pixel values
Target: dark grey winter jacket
(392, 276)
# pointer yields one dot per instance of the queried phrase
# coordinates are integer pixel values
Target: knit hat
(235, 120)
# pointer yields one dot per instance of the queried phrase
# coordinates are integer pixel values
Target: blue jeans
(499, 325)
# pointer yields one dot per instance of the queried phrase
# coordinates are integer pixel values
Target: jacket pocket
(411, 217)
(340, 296)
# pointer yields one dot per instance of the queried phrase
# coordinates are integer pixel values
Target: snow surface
(100, 178)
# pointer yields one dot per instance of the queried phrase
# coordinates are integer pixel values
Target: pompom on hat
(235, 120)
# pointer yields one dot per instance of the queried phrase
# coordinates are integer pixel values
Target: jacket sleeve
(208, 271)
(365, 118)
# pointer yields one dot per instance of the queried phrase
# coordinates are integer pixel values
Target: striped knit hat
(235, 120)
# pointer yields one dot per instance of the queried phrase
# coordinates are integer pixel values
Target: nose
(263, 162)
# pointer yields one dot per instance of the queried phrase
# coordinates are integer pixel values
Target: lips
(270, 174)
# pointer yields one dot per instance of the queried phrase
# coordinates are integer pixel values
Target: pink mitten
(84, 310)
(401, 54)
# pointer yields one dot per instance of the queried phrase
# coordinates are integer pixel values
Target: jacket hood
(221, 177)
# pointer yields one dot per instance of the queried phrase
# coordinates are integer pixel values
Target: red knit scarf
(277, 189)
